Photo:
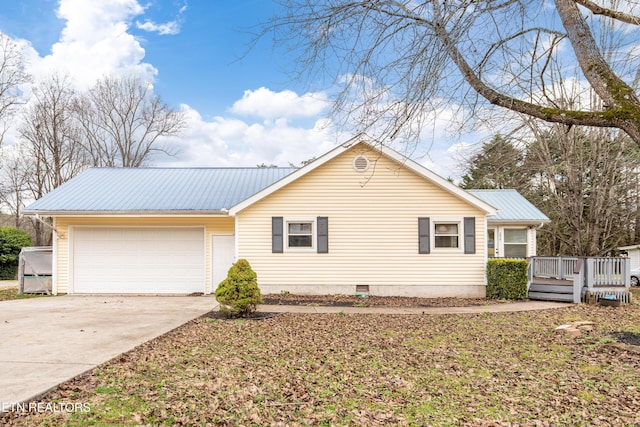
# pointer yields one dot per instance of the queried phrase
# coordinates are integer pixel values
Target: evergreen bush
(12, 240)
(507, 279)
(239, 294)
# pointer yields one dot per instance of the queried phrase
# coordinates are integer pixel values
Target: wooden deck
(576, 279)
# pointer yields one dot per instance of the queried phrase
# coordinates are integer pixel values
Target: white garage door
(154, 260)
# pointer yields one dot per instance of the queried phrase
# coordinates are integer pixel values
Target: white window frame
(505, 243)
(457, 221)
(287, 221)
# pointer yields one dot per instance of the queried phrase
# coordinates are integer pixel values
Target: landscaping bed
(341, 300)
(489, 369)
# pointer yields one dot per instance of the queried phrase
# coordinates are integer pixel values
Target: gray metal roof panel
(157, 189)
(511, 205)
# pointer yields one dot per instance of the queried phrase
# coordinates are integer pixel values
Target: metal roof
(164, 190)
(157, 189)
(511, 205)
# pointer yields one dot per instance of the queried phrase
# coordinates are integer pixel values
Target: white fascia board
(531, 222)
(125, 213)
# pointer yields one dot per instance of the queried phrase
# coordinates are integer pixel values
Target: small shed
(35, 269)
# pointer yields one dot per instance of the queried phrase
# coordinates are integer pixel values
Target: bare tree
(122, 120)
(14, 183)
(586, 181)
(12, 75)
(51, 135)
(50, 150)
(397, 60)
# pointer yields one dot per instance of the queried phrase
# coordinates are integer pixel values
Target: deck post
(589, 273)
(578, 280)
(627, 272)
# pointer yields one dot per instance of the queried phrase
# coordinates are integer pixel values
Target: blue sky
(243, 107)
(206, 63)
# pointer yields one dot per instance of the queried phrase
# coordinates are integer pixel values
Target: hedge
(507, 279)
(12, 240)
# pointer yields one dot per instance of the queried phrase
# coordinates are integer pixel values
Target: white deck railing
(598, 275)
(608, 272)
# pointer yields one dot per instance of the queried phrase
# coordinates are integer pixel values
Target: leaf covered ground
(373, 301)
(489, 369)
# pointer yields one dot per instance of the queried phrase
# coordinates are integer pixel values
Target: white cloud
(451, 162)
(172, 27)
(274, 135)
(225, 141)
(265, 103)
(95, 42)
(168, 28)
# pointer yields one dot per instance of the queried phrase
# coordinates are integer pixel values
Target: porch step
(547, 289)
(563, 288)
(549, 281)
(544, 296)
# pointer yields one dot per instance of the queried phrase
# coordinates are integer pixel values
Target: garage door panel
(138, 260)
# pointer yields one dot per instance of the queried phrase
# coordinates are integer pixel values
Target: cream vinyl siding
(373, 233)
(212, 225)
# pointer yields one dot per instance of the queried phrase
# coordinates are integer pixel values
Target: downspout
(42, 221)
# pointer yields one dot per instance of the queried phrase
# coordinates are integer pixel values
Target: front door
(222, 257)
(491, 243)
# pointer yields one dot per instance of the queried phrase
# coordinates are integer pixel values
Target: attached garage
(138, 260)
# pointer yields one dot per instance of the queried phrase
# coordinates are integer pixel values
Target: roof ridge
(189, 168)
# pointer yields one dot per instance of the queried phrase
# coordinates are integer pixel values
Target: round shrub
(239, 294)
(12, 240)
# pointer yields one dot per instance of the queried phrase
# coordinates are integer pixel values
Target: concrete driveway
(46, 341)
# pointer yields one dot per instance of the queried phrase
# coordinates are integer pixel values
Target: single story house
(361, 217)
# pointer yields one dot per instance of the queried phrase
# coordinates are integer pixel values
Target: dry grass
(10, 293)
(332, 369)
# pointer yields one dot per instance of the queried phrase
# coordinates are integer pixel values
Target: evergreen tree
(496, 165)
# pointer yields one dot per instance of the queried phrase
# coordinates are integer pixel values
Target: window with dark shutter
(469, 235)
(423, 236)
(323, 234)
(277, 230)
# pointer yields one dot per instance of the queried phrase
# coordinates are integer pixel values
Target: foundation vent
(362, 291)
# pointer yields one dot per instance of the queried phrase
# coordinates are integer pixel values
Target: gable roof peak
(382, 149)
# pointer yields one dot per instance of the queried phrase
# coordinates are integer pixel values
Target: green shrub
(507, 279)
(12, 241)
(239, 294)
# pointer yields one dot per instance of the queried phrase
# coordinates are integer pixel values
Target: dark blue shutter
(469, 235)
(424, 228)
(323, 234)
(277, 228)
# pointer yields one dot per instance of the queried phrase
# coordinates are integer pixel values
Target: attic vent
(360, 163)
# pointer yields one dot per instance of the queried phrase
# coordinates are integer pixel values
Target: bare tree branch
(610, 13)
(12, 75)
(122, 120)
(397, 61)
